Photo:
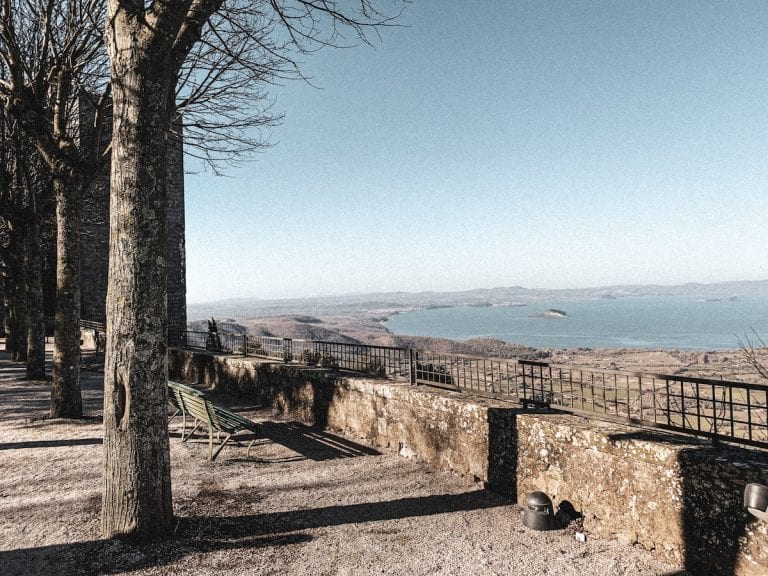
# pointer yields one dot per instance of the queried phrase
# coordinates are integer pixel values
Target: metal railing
(716, 409)
(373, 360)
(497, 377)
(91, 325)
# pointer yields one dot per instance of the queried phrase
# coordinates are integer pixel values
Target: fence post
(412, 366)
(525, 386)
(245, 345)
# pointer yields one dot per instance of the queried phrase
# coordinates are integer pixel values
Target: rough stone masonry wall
(668, 493)
(94, 239)
(676, 497)
(176, 263)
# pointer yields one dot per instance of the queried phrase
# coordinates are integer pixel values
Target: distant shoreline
(727, 364)
(503, 296)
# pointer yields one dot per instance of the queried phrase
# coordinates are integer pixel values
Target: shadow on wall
(502, 452)
(713, 519)
(289, 389)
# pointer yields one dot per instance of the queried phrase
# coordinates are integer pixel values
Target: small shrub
(437, 373)
(329, 362)
(310, 358)
(375, 368)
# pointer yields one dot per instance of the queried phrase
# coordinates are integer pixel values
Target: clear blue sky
(496, 143)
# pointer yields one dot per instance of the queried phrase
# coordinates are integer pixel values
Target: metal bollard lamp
(756, 501)
(538, 513)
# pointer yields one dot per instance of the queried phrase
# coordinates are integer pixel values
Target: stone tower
(94, 237)
(176, 250)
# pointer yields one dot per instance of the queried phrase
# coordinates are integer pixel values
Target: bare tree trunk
(6, 318)
(9, 287)
(33, 264)
(15, 341)
(66, 398)
(137, 482)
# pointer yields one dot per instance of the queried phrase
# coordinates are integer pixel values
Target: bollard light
(538, 513)
(756, 501)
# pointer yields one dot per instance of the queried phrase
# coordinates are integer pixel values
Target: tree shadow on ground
(307, 519)
(713, 519)
(206, 534)
(307, 442)
(313, 442)
(117, 556)
(50, 443)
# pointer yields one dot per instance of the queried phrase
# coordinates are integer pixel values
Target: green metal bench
(191, 401)
(175, 392)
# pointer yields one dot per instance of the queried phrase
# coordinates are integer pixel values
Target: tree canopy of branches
(755, 350)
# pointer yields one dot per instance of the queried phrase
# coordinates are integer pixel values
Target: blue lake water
(641, 322)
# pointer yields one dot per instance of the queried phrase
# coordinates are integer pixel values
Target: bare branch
(755, 350)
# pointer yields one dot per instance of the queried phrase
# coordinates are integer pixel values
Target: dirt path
(305, 502)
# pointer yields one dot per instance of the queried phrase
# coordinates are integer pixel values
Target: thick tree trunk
(137, 483)
(33, 264)
(66, 398)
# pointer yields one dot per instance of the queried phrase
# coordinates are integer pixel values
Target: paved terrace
(304, 502)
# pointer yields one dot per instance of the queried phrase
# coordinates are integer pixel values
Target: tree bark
(33, 264)
(137, 483)
(15, 340)
(66, 397)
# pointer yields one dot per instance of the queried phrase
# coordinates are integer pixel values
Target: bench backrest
(195, 403)
(197, 406)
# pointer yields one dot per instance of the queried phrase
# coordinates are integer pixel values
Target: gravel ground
(304, 502)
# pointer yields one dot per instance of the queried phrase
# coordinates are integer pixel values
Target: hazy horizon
(477, 288)
(552, 144)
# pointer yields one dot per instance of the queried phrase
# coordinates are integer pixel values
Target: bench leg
(172, 416)
(221, 446)
(197, 425)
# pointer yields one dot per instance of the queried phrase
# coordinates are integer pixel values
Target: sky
(499, 143)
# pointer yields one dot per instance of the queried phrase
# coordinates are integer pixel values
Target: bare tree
(148, 44)
(755, 350)
(52, 56)
(23, 201)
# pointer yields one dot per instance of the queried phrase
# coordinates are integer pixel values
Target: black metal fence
(716, 409)
(488, 376)
(91, 325)
(374, 360)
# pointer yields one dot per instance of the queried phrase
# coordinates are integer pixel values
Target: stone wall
(666, 492)
(443, 428)
(672, 495)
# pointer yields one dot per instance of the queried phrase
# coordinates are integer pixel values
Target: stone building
(94, 243)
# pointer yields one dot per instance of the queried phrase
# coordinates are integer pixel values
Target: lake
(668, 322)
